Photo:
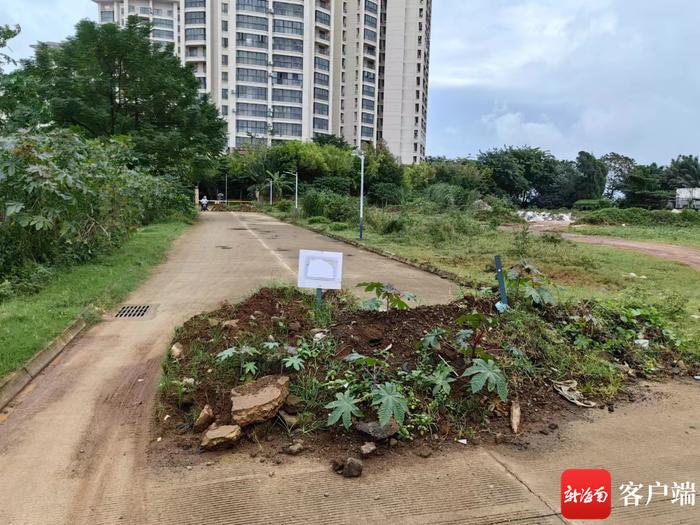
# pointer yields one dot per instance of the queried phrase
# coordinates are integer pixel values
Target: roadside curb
(18, 381)
(426, 267)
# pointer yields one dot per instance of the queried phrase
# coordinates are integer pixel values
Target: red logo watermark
(586, 494)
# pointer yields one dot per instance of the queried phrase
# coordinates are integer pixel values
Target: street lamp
(270, 192)
(361, 154)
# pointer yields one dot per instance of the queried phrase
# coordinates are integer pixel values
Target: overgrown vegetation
(445, 370)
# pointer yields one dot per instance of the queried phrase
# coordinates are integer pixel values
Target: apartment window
(198, 33)
(368, 91)
(368, 76)
(224, 94)
(367, 132)
(371, 21)
(202, 82)
(195, 3)
(368, 104)
(196, 17)
(323, 18)
(287, 9)
(224, 25)
(258, 6)
(250, 40)
(289, 27)
(370, 35)
(371, 6)
(251, 75)
(367, 118)
(224, 110)
(287, 95)
(145, 10)
(288, 62)
(224, 8)
(224, 60)
(321, 123)
(288, 79)
(251, 22)
(244, 109)
(251, 126)
(162, 33)
(106, 17)
(224, 76)
(320, 108)
(162, 22)
(320, 93)
(251, 92)
(282, 128)
(192, 51)
(322, 63)
(321, 79)
(287, 44)
(286, 112)
(253, 58)
(224, 43)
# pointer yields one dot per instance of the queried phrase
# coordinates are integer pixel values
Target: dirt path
(670, 252)
(73, 446)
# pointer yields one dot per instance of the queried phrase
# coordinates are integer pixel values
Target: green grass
(688, 236)
(29, 323)
(579, 271)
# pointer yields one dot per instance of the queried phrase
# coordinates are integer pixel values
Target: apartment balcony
(323, 50)
(323, 4)
(323, 35)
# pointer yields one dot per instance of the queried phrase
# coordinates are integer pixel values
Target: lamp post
(361, 154)
(270, 192)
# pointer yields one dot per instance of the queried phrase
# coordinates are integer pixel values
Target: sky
(563, 75)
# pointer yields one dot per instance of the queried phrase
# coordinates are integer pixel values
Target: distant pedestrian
(221, 197)
(204, 202)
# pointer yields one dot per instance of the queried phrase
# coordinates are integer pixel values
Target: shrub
(384, 222)
(449, 195)
(285, 206)
(336, 208)
(340, 185)
(319, 220)
(592, 204)
(68, 199)
(386, 194)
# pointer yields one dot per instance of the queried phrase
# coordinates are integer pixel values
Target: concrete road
(73, 445)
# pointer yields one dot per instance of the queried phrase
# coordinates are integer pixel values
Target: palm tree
(276, 180)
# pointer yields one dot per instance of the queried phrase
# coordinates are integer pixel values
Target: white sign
(320, 270)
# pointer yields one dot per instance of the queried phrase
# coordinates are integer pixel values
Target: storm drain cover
(133, 311)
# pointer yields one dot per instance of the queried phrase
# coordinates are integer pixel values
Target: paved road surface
(73, 446)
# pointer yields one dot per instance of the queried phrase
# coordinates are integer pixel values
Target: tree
(110, 81)
(508, 173)
(643, 187)
(6, 33)
(684, 172)
(331, 140)
(593, 176)
(619, 168)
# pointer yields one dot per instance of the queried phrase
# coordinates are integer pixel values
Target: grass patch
(689, 236)
(29, 323)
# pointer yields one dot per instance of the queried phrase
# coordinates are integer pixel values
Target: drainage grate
(133, 311)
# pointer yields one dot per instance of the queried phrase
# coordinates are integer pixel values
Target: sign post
(320, 271)
(501, 284)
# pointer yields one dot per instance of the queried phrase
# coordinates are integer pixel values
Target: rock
(294, 450)
(352, 468)
(337, 465)
(424, 452)
(293, 405)
(642, 343)
(481, 205)
(294, 326)
(289, 419)
(221, 437)
(205, 419)
(368, 449)
(258, 401)
(188, 381)
(177, 351)
(377, 432)
(233, 323)
(214, 322)
(393, 442)
(320, 337)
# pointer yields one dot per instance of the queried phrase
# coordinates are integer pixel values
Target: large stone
(377, 432)
(258, 401)
(352, 468)
(177, 351)
(205, 419)
(221, 437)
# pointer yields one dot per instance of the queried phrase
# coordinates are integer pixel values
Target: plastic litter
(568, 390)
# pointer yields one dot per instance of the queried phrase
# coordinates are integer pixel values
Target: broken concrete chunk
(205, 419)
(221, 437)
(258, 401)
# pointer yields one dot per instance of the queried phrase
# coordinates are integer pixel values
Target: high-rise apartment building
(282, 70)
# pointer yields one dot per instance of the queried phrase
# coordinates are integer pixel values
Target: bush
(386, 194)
(641, 217)
(285, 206)
(385, 223)
(67, 199)
(340, 185)
(319, 220)
(592, 204)
(449, 195)
(336, 208)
